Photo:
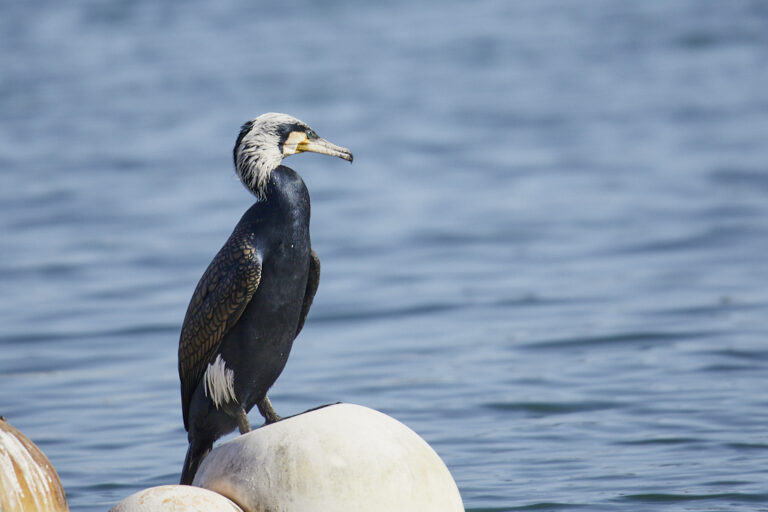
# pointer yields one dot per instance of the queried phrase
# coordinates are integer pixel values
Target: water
(549, 257)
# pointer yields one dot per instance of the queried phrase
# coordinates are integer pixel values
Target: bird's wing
(219, 300)
(313, 280)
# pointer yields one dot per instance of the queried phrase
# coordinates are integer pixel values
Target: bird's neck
(286, 189)
(255, 165)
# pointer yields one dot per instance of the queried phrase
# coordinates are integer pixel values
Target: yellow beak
(324, 147)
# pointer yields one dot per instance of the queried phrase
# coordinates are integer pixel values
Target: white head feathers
(258, 150)
(265, 141)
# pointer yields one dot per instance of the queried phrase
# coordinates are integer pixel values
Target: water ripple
(629, 338)
(540, 409)
(657, 498)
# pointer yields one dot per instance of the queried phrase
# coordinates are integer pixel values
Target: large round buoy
(341, 457)
(27, 478)
(175, 498)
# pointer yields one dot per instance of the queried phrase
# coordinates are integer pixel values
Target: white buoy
(27, 478)
(175, 498)
(342, 457)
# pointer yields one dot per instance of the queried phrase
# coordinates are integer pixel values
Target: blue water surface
(549, 258)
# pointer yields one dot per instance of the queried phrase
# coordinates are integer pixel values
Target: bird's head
(264, 142)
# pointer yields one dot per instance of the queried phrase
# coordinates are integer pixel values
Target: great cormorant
(253, 298)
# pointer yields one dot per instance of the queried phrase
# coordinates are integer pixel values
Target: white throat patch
(219, 382)
(291, 144)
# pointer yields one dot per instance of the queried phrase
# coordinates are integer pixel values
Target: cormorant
(253, 298)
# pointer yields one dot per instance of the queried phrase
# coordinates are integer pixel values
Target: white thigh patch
(219, 382)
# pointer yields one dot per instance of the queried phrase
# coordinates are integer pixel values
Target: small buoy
(27, 478)
(341, 457)
(175, 498)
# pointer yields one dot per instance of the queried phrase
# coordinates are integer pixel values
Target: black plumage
(253, 299)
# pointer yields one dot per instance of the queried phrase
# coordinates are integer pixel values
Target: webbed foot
(266, 410)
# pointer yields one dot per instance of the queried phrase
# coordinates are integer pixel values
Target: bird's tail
(195, 454)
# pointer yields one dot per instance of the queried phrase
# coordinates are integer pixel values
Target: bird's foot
(272, 418)
(266, 410)
(243, 425)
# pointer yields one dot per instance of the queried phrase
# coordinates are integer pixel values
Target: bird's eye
(311, 135)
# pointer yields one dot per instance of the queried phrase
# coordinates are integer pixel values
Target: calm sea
(549, 258)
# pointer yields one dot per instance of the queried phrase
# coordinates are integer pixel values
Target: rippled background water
(549, 257)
